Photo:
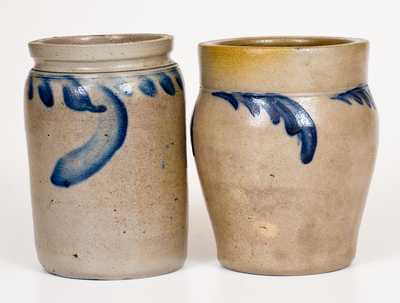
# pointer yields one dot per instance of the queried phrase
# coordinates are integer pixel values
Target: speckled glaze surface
(284, 134)
(105, 124)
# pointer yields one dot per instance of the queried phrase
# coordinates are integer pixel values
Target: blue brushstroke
(77, 98)
(178, 78)
(297, 121)
(147, 87)
(167, 84)
(248, 101)
(46, 93)
(227, 97)
(83, 162)
(30, 87)
(191, 131)
(360, 94)
(124, 87)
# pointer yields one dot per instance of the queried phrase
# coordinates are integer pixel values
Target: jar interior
(285, 42)
(101, 39)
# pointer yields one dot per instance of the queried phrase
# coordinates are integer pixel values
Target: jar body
(285, 175)
(108, 172)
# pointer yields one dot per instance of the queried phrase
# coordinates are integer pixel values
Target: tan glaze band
(284, 64)
(101, 53)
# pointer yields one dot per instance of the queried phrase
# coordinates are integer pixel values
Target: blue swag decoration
(112, 122)
(297, 121)
(360, 94)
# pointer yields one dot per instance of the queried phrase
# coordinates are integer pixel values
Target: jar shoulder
(343, 119)
(146, 83)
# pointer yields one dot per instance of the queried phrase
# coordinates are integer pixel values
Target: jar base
(82, 275)
(287, 272)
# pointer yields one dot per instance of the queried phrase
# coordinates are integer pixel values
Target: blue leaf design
(46, 93)
(191, 131)
(30, 87)
(147, 87)
(124, 87)
(359, 94)
(272, 112)
(248, 100)
(178, 78)
(297, 121)
(77, 98)
(227, 97)
(83, 162)
(166, 84)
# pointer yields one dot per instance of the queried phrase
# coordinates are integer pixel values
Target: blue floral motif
(30, 87)
(77, 98)
(192, 131)
(147, 87)
(359, 94)
(178, 78)
(85, 161)
(46, 93)
(297, 121)
(167, 84)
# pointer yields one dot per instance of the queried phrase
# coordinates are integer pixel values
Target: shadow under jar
(105, 124)
(284, 135)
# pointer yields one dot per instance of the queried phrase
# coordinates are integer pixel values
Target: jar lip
(101, 47)
(260, 43)
(101, 53)
(291, 64)
(104, 39)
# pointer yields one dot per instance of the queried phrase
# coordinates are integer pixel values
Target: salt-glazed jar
(105, 124)
(285, 136)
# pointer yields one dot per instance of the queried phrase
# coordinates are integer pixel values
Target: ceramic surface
(108, 159)
(284, 135)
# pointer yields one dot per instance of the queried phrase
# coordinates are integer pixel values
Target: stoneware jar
(285, 137)
(105, 124)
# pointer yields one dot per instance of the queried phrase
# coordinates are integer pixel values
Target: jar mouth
(286, 42)
(101, 53)
(101, 39)
(285, 64)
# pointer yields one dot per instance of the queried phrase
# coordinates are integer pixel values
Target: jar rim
(96, 53)
(103, 39)
(283, 42)
(287, 64)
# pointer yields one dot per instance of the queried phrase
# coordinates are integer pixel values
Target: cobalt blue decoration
(77, 98)
(30, 87)
(167, 84)
(178, 78)
(124, 87)
(191, 131)
(147, 87)
(83, 162)
(359, 94)
(297, 121)
(46, 93)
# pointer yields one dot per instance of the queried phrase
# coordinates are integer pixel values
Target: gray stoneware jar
(105, 125)
(285, 137)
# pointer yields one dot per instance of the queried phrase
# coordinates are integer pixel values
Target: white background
(374, 276)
